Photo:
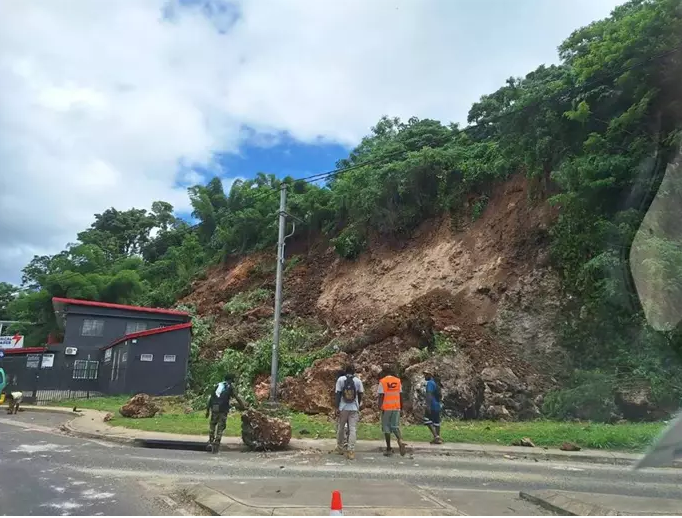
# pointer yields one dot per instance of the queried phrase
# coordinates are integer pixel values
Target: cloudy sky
(124, 102)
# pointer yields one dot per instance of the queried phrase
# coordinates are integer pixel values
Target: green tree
(8, 293)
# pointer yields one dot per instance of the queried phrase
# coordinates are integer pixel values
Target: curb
(69, 428)
(51, 409)
(608, 458)
(219, 504)
(565, 505)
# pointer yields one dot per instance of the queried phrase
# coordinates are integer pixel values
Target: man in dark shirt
(433, 407)
(219, 406)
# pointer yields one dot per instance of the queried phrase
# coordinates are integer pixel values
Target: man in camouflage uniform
(218, 407)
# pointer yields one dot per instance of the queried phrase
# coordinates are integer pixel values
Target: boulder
(261, 432)
(635, 402)
(108, 417)
(262, 389)
(526, 441)
(461, 388)
(501, 379)
(569, 446)
(410, 357)
(496, 413)
(139, 406)
(313, 391)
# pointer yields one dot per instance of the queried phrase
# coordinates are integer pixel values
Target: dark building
(107, 349)
(152, 361)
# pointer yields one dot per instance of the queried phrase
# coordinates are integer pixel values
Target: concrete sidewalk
(268, 497)
(90, 424)
(594, 504)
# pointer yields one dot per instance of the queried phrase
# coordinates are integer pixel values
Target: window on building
(92, 327)
(146, 357)
(85, 370)
(93, 368)
(135, 327)
(80, 369)
(107, 355)
(114, 367)
(169, 357)
(124, 357)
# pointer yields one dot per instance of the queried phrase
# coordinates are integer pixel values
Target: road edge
(49, 409)
(563, 504)
(220, 504)
(129, 436)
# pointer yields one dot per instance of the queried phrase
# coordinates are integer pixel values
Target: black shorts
(432, 417)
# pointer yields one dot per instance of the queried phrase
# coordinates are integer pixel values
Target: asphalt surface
(39, 474)
(55, 474)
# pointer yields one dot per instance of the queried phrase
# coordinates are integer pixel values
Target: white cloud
(101, 101)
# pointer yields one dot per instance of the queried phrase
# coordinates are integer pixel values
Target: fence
(42, 386)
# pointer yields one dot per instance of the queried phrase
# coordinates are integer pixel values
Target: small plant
(443, 344)
(292, 263)
(246, 300)
(349, 243)
(478, 207)
(263, 268)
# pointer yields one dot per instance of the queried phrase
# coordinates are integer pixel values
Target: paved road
(65, 475)
(40, 475)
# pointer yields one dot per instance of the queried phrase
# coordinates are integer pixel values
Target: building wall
(31, 373)
(115, 322)
(114, 369)
(156, 377)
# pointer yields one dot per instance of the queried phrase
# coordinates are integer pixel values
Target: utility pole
(278, 290)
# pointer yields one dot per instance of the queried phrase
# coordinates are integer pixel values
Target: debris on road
(523, 442)
(139, 406)
(264, 433)
(569, 446)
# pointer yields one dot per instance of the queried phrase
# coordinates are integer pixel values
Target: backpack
(349, 392)
(223, 400)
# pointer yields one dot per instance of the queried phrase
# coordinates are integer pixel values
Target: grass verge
(624, 437)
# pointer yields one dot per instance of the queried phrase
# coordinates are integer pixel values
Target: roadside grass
(623, 437)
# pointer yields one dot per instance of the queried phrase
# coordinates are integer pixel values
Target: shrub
(590, 396)
(478, 207)
(246, 300)
(349, 243)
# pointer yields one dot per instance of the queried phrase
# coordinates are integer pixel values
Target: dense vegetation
(596, 132)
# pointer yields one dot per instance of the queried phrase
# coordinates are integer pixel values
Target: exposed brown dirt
(224, 281)
(388, 304)
(477, 261)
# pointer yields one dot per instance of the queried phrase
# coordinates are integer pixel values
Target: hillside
(481, 290)
(498, 253)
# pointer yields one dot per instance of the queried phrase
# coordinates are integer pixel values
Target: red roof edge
(81, 302)
(148, 332)
(24, 350)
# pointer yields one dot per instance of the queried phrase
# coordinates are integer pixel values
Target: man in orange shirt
(390, 403)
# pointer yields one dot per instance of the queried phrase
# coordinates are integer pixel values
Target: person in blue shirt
(433, 407)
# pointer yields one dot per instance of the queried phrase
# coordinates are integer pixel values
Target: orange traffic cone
(337, 506)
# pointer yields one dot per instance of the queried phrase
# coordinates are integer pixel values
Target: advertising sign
(12, 342)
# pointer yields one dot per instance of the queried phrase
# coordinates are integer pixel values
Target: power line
(563, 96)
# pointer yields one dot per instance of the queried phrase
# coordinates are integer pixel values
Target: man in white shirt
(349, 391)
(14, 399)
